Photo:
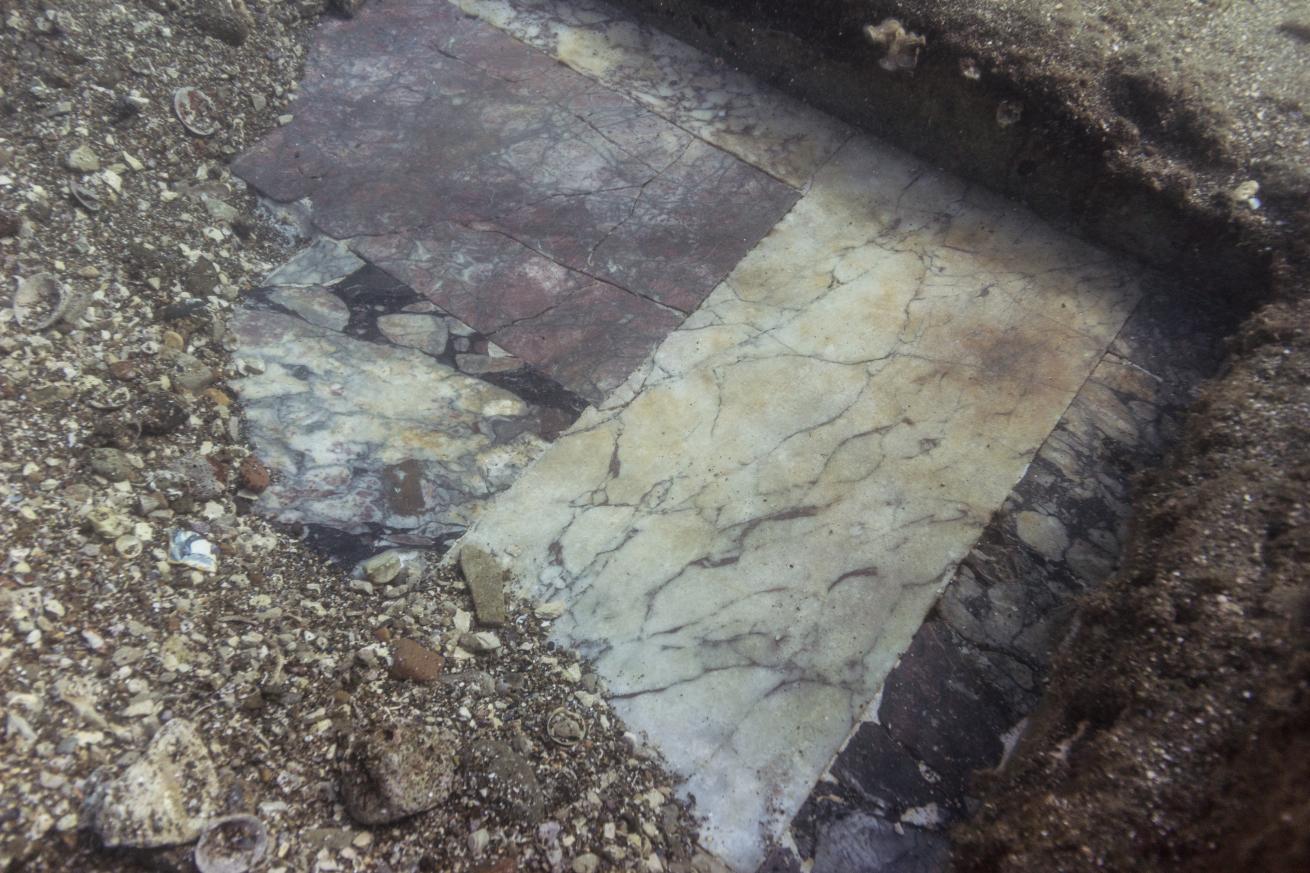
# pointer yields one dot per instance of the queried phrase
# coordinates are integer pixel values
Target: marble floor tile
(363, 405)
(771, 130)
(497, 181)
(750, 530)
(958, 696)
(577, 329)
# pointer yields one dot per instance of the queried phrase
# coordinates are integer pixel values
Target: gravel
(139, 598)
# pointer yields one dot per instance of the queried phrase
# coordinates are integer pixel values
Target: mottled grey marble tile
(314, 303)
(370, 438)
(323, 262)
(379, 422)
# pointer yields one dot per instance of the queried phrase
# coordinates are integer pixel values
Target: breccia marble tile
(773, 131)
(749, 531)
(358, 406)
(496, 180)
(575, 328)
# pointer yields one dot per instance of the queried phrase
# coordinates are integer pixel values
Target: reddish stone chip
(413, 661)
(254, 475)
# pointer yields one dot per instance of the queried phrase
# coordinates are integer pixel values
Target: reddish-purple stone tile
(580, 331)
(541, 208)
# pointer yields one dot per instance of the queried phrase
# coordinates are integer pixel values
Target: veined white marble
(776, 133)
(748, 531)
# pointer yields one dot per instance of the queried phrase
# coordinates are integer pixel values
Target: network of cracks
(817, 443)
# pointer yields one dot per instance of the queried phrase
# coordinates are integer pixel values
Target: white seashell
(196, 111)
(40, 301)
(231, 844)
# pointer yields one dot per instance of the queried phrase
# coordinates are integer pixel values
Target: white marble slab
(748, 531)
(768, 129)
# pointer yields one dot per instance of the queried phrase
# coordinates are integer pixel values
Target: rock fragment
(480, 643)
(427, 333)
(164, 798)
(486, 581)
(586, 863)
(195, 476)
(190, 373)
(900, 47)
(413, 661)
(226, 20)
(394, 565)
(82, 160)
(202, 278)
(394, 771)
(254, 475)
(346, 8)
(160, 413)
(110, 463)
(507, 779)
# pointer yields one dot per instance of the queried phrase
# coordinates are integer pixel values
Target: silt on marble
(496, 180)
(749, 531)
(724, 107)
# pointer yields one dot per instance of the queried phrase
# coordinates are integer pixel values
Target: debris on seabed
(196, 111)
(901, 47)
(566, 728)
(231, 844)
(1245, 194)
(190, 549)
(1009, 112)
(39, 302)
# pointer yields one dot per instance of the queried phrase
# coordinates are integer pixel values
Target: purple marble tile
(558, 216)
(583, 332)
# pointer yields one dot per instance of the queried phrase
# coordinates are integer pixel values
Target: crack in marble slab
(750, 529)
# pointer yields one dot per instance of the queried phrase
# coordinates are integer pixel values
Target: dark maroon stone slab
(583, 332)
(569, 223)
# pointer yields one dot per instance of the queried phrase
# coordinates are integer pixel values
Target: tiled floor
(558, 217)
(817, 381)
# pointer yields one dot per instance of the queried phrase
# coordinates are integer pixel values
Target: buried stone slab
(694, 90)
(955, 702)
